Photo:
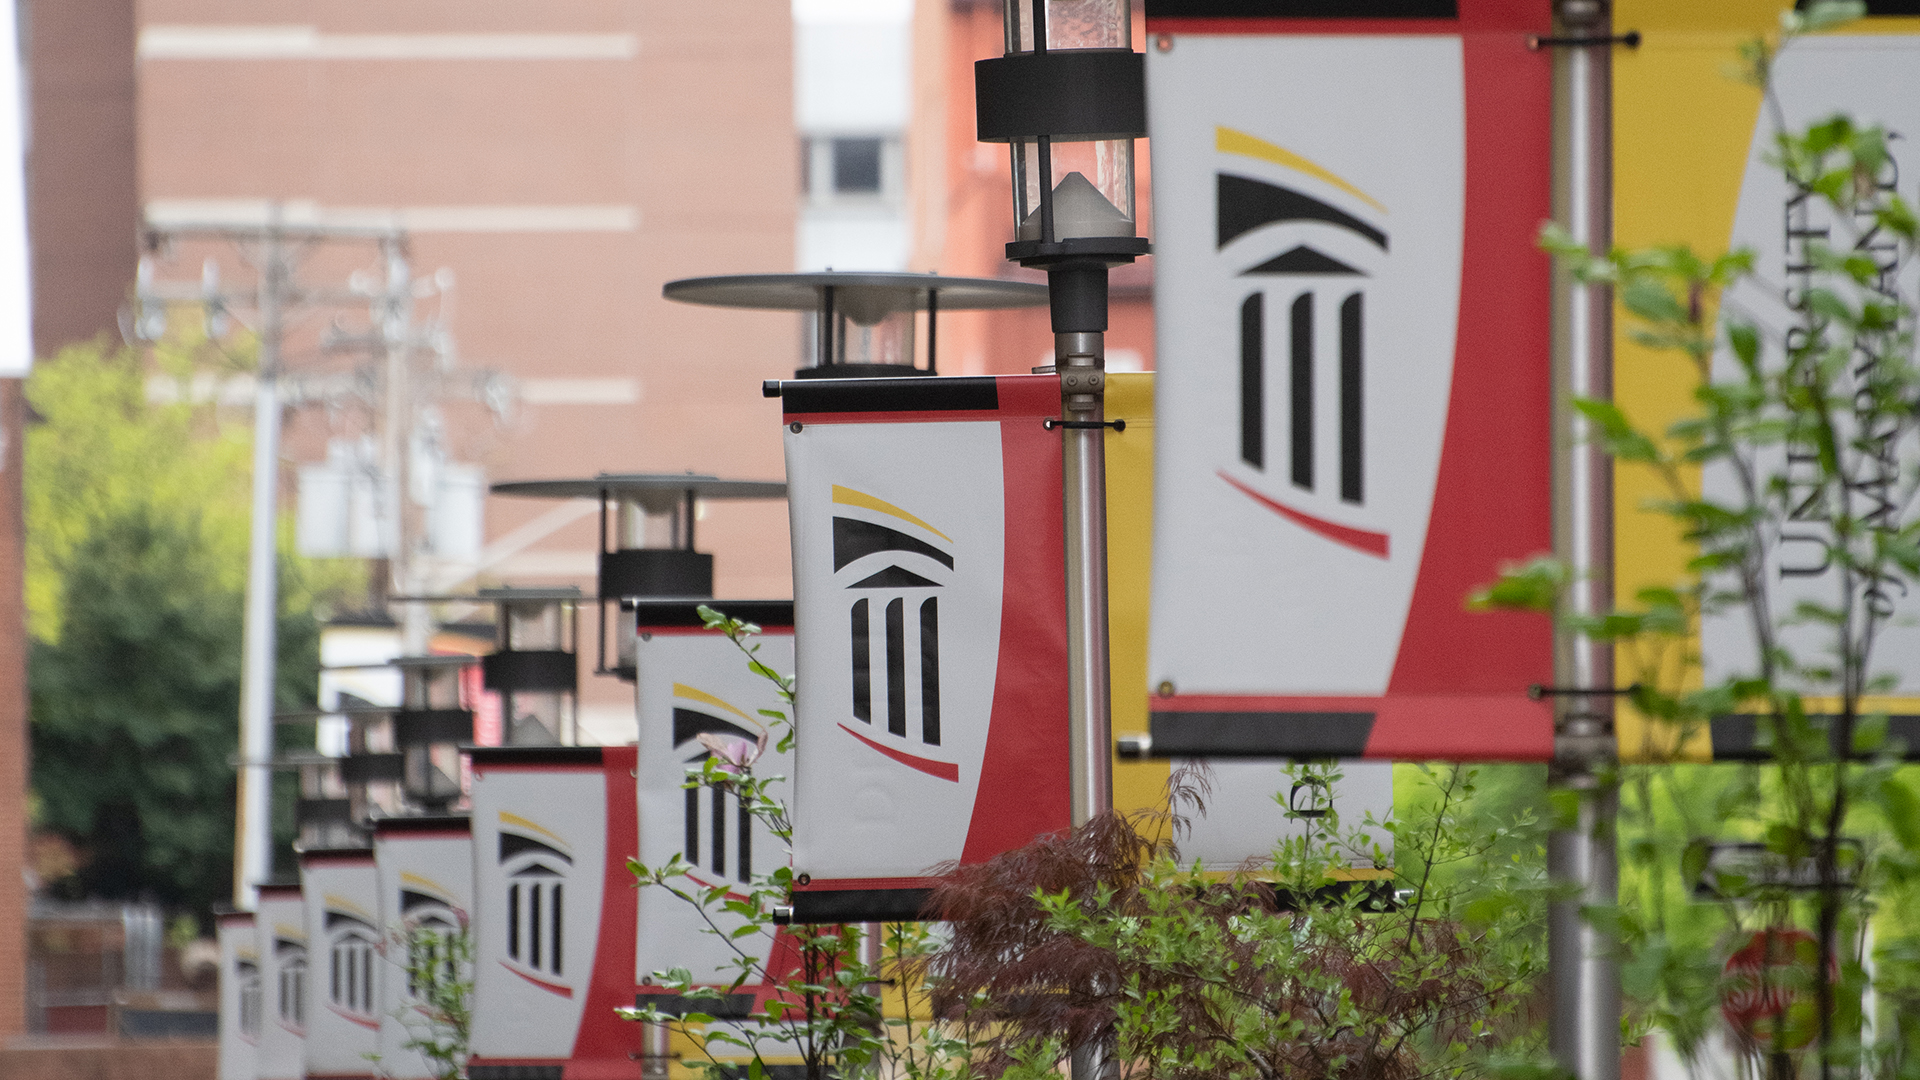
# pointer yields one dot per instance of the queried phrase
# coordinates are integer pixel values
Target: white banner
(1352, 378)
(346, 943)
(539, 856)
(426, 887)
(930, 617)
(281, 923)
(1253, 807)
(1874, 78)
(240, 995)
(690, 683)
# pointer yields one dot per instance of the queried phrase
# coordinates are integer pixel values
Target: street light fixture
(430, 727)
(534, 666)
(864, 323)
(1069, 98)
(646, 538)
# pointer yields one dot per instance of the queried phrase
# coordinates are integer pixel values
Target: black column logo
(536, 865)
(719, 829)
(893, 617)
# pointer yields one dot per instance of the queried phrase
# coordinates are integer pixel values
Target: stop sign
(1767, 989)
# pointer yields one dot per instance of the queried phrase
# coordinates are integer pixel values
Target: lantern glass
(1090, 181)
(1092, 185)
(533, 626)
(433, 774)
(1071, 24)
(862, 336)
(540, 718)
(431, 686)
(654, 520)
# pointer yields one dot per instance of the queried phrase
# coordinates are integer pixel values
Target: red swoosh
(563, 991)
(345, 1015)
(941, 769)
(1372, 543)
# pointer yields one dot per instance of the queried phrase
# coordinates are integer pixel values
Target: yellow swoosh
(685, 691)
(522, 823)
(1228, 141)
(347, 905)
(408, 877)
(850, 497)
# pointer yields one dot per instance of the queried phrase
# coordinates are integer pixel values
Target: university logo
(719, 830)
(432, 919)
(290, 963)
(353, 943)
(535, 862)
(890, 565)
(1305, 252)
(246, 971)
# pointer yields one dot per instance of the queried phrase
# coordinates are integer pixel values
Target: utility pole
(278, 300)
(1582, 856)
(253, 824)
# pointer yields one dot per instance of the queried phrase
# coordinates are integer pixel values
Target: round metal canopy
(863, 297)
(700, 486)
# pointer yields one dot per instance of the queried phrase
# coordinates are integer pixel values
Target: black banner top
(1302, 9)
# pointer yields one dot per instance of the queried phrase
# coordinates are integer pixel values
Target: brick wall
(56, 1060)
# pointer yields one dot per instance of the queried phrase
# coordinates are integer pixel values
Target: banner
(553, 912)
(342, 893)
(425, 869)
(280, 922)
(240, 997)
(1249, 799)
(690, 682)
(931, 632)
(1700, 176)
(1354, 393)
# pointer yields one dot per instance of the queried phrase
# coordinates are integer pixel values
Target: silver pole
(253, 840)
(1080, 359)
(1584, 1029)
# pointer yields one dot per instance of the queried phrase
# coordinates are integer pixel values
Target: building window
(855, 169)
(856, 166)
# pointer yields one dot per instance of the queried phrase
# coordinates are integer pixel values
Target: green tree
(137, 526)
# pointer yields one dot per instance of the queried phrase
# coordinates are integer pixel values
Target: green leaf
(1652, 300)
(1533, 586)
(1823, 15)
(1902, 809)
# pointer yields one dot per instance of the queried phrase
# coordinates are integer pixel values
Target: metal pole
(1080, 360)
(253, 829)
(396, 331)
(1584, 1028)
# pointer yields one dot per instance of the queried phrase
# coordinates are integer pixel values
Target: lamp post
(429, 728)
(864, 323)
(534, 666)
(646, 538)
(1069, 98)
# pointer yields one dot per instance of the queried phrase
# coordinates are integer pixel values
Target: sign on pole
(1354, 402)
(280, 922)
(691, 682)
(1735, 197)
(345, 936)
(425, 867)
(240, 996)
(553, 911)
(931, 632)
